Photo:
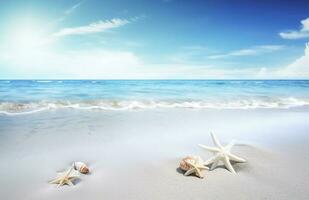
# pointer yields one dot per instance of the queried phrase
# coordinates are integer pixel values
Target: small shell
(81, 167)
(194, 159)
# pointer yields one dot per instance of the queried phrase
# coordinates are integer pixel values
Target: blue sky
(117, 39)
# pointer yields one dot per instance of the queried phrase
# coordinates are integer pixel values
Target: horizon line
(231, 79)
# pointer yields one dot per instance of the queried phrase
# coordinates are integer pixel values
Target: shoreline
(52, 108)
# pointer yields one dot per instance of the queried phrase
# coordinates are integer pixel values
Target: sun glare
(27, 37)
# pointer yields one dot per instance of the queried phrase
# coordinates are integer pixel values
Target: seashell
(194, 159)
(81, 167)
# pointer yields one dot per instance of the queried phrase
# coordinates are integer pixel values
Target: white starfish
(221, 153)
(65, 177)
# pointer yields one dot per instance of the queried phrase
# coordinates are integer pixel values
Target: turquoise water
(27, 96)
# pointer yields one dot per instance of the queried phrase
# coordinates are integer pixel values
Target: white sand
(135, 154)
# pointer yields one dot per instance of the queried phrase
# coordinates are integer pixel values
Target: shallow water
(30, 96)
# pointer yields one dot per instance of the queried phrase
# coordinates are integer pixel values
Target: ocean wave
(9, 108)
(43, 81)
(3, 81)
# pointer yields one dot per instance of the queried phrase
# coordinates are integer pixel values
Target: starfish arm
(55, 181)
(214, 165)
(228, 165)
(236, 158)
(69, 171)
(61, 183)
(210, 160)
(211, 149)
(229, 146)
(75, 175)
(215, 140)
(202, 167)
(189, 163)
(198, 173)
(190, 171)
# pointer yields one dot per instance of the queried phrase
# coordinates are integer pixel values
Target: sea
(19, 97)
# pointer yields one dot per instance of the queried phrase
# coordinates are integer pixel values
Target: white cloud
(109, 64)
(188, 54)
(299, 68)
(104, 64)
(253, 51)
(297, 34)
(195, 48)
(96, 27)
(270, 47)
(72, 9)
(67, 12)
(194, 71)
(93, 63)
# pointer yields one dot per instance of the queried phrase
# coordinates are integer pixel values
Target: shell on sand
(81, 167)
(193, 159)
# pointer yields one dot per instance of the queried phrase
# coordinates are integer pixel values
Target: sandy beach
(144, 94)
(136, 154)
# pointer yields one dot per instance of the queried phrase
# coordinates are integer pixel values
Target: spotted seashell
(81, 167)
(194, 159)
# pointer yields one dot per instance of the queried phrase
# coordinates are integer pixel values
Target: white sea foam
(43, 81)
(9, 108)
(22, 112)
